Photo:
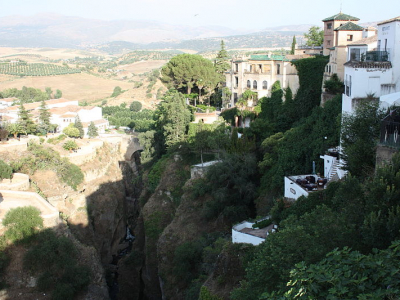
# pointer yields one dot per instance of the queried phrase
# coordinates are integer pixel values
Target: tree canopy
(187, 71)
(315, 36)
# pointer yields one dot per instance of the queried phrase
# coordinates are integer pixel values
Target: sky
(235, 14)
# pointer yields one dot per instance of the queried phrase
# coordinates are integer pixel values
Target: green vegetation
(92, 130)
(187, 71)
(135, 106)
(55, 259)
(141, 121)
(315, 36)
(70, 145)
(44, 119)
(26, 124)
(79, 126)
(26, 94)
(71, 131)
(44, 158)
(334, 85)
(359, 134)
(35, 69)
(346, 274)
(117, 91)
(5, 170)
(22, 223)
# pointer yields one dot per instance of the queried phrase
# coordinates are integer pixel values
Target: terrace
(245, 233)
(301, 185)
(390, 127)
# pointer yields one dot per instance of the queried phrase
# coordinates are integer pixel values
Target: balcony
(363, 55)
(390, 127)
(376, 56)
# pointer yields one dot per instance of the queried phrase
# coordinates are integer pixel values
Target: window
(355, 54)
(379, 45)
(255, 84)
(236, 67)
(349, 37)
(235, 97)
(265, 85)
(251, 68)
(348, 86)
(278, 69)
(328, 42)
(236, 81)
(329, 26)
(248, 84)
(260, 68)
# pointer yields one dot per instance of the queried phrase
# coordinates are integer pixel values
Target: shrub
(70, 145)
(71, 131)
(262, 224)
(135, 106)
(71, 174)
(5, 170)
(22, 222)
(55, 258)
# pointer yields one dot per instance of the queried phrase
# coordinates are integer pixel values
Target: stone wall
(13, 199)
(19, 182)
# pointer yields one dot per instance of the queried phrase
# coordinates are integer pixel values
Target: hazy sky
(246, 14)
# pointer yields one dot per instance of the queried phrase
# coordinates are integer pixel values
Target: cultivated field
(82, 87)
(143, 66)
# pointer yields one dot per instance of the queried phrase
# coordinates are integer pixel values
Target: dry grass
(141, 67)
(52, 53)
(82, 87)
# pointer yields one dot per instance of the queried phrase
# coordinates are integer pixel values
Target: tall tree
(173, 118)
(360, 132)
(315, 36)
(186, 70)
(44, 118)
(58, 94)
(92, 130)
(221, 61)
(293, 45)
(25, 120)
(78, 124)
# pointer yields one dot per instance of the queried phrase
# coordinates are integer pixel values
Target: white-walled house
(63, 112)
(373, 69)
(258, 73)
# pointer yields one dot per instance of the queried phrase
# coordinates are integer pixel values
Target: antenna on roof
(341, 6)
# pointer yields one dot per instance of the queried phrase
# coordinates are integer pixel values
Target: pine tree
(92, 130)
(78, 124)
(25, 121)
(221, 62)
(44, 118)
(293, 45)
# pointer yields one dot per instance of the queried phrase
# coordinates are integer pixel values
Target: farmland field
(82, 87)
(36, 69)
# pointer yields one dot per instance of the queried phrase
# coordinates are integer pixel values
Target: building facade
(372, 69)
(258, 73)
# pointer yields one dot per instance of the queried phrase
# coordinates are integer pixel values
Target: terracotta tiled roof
(366, 41)
(35, 105)
(12, 99)
(96, 122)
(390, 20)
(349, 26)
(68, 116)
(341, 17)
(69, 108)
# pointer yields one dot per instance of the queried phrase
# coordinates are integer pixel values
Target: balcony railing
(390, 134)
(377, 55)
(361, 54)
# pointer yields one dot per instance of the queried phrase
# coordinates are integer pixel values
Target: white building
(373, 68)
(63, 112)
(258, 73)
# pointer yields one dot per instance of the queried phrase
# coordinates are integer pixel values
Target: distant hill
(58, 31)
